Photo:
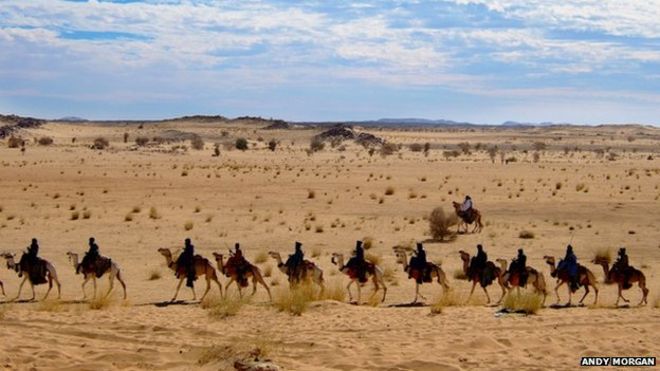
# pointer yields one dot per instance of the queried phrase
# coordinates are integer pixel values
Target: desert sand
(136, 199)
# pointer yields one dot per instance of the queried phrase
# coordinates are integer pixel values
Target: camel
(436, 271)
(534, 277)
(202, 268)
(586, 279)
(476, 219)
(476, 277)
(253, 272)
(2, 287)
(373, 271)
(51, 275)
(311, 272)
(113, 271)
(613, 276)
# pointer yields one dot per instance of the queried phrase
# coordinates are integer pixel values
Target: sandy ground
(262, 199)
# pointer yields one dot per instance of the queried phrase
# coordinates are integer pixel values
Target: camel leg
(94, 282)
(642, 285)
(586, 292)
(111, 281)
(227, 286)
(50, 287)
(474, 284)
(208, 288)
(121, 281)
(503, 292)
(487, 296)
(348, 288)
(359, 290)
(384, 291)
(263, 283)
(215, 279)
(557, 291)
(621, 294)
(33, 293)
(178, 287)
(194, 293)
(85, 280)
(376, 288)
(2, 286)
(416, 292)
(322, 286)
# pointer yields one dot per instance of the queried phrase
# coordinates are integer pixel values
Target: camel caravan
(359, 270)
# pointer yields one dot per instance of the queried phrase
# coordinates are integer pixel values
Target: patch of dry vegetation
(440, 223)
(294, 301)
(524, 302)
(227, 306)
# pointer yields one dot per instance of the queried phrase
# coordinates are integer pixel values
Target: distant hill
(72, 119)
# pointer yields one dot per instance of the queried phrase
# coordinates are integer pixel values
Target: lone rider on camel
(418, 262)
(89, 260)
(466, 209)
(622, 266)
(37, 269)
(519, 265)
(358, 263)
(295, 263)
(187, 260)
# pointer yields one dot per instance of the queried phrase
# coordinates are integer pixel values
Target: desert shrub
(334, 291)
(427, 148)
(449, 298)
(153, 213)
(262, 257)
(416, 147)
(216, 150)
(125, 137)
(15, 142)
(523, 301)
(367, 243)
(272, 145)
(311, 194)
(128, 217)
(449, 154)
(75, 215)
(241, 143)
(45, 141)
(295, 301)
(539, 146)
(492, 153)
(221, 308)
(389, 191)
(579, 187)
(536, 156)
(464, 147)
(439, 223)
(100, 302)
(316, 145)
(141, 141)
(603, 254)
(197, 143)
(459, 274)
(100, 143)
(188, 225)
(524, 234)
(154, 274)
(388, 149)
(87, 214)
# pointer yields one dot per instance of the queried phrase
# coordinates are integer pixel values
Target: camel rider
(295, 263)
(37, 270)
(570, 264)
(187, 260)
(241, 265)
(519, 265)
(621, 266)
(358, 263)
(418, 262)
(479, 261)
(466, 207)
(90, 258)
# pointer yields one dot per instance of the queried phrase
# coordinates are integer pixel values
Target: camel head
(218, 256)
(274, 255)
(550, 260)
(11, 264)
(456, 205)
(72, 256)
(165, 252)
(336, 258)
(464, 256)
(400, 256)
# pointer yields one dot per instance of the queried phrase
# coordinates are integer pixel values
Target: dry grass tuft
(367, 243)
(221, 308)
(389, 191)
(188, 225)
(100, 303)
(459, 274)
(524, 234)
(155, 274)
(334, 291)
(50, 306)
(440, 223)
(603, 253)
(526, 302)
(262, 257)
(295, 301)
(153, 213)
(448, 299)
(376, 259)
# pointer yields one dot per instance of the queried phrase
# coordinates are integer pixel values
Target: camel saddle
(36, 269)
(424, 276)
(487, 275)
(101, 265)
(237, 266)
(468, 216)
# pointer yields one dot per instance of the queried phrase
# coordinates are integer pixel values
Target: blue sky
(484, 61)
